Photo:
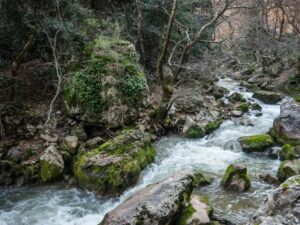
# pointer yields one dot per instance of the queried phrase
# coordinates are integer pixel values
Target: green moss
(211, 126)
(297, 99)
(195, 132)
(287, 153)
(186, 213)
(292, 181)
(288, 169)
(205, 200)
(49, 172)
(243, 107)
(256, 143)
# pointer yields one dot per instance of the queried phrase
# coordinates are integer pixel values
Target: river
(55, 205)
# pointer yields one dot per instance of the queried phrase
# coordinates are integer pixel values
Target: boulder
(213, 125)
(256, 143)
(268, 178)
(287, 124)
(191, 129)
(236, 113)
(282, 207)
(70, 144)
(201, 179)
(292, 181)
(288, 169)
(244, 107)
(142, 208)
(236, 97)
(236, 178)
(197, 212)
(93, 143)
(268, 97)
(256, 106)
(116, 164)
(287, 152)
(52, 164)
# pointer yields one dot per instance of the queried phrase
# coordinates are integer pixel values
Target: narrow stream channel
(54, 205)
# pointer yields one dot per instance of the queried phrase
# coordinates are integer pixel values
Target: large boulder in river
(236, 178)
(282, 207)
(157, 204)
(52, 164)
(116, 164)
(287, 124)
(108, 86)
(288, 169)
(268, 97)
(256, 143)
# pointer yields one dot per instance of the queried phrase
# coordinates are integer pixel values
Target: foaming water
(212, 154)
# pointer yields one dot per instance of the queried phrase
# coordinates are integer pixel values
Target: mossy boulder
(192, 130)
(287, 152)
(287, 124)
(51, 164)
(236, 178)
(292, 181)
(213, 125)
(268, 97)
(115, 165)
(70, 144)
(198, 211)
(256, 106)
(108, 86)
(244, 107)
(201, 179)
(288, 169)
(256, 143)
(236, 97)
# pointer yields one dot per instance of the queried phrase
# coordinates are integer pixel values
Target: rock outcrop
(256, 143)
(116, 164)
(287, 124)
(236, 178)
(142, 208)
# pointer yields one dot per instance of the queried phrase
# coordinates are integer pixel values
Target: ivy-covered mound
(108, 86)
(116, 164)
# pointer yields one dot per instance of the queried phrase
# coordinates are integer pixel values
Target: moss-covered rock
(236, 97)
(268, 97)
(287, 152)
(108, 86)
(195, 131)
(292, 181)
(198, 211)
(213, 125)
(244, 107)
(52, 164)
(116, 164)
(236, 178)
(256, 143)
(201, 179)
(256, 106)
(288, 169)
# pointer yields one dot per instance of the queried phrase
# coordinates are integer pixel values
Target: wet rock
(236, 97)
(282, 207)
(287, 152)
(256, 143)
(288, 169)
(142, 208)
(191, 129)
(236, 113)
(256, 106)
(197, 212)
(244, 107)
(213, 125)
(274, 152)
(287, 125)
(201, 179)
(292, 181)
(70, 144)
(52, 164)
(236, 178)
(116, 164)
(268, 97)
(268, 178)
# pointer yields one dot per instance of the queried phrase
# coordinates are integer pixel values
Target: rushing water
(56, 205)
